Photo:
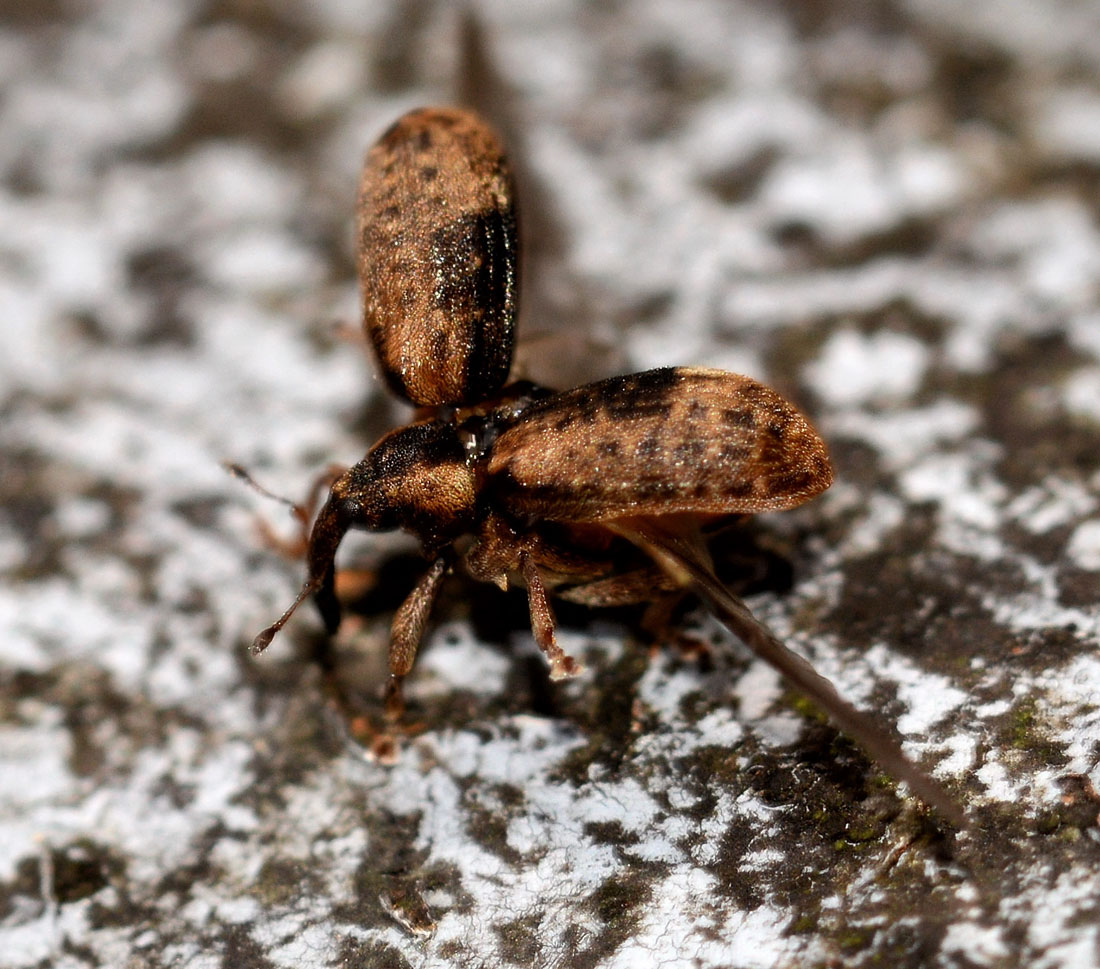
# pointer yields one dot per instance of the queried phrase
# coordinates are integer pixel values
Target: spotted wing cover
(657, 443)
(437, 257)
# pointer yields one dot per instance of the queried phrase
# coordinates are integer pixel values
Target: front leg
(408, 629)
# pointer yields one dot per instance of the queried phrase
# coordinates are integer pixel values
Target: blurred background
(887, 209)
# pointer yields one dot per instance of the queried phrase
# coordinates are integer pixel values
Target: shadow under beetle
(557, 492)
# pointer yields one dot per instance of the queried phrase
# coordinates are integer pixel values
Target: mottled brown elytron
(437, 257)
(658, 443)
(593, 494)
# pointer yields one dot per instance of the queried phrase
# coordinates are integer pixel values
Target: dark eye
(349, 509)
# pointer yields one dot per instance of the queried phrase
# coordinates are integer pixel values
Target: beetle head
(416, 478)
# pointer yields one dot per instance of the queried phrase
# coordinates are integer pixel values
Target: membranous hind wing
(682, 556)
(661, 442)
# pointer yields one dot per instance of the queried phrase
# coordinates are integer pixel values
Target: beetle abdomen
(437, 257)
(657, 443)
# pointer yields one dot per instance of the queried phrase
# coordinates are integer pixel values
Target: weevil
(595, 494)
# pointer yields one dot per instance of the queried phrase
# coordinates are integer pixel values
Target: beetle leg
(562, 665)
(294, 548)
(622, 589)
(651, 586)
(495, 553)
(407, 629)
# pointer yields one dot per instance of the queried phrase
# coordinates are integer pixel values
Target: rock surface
(887, 211)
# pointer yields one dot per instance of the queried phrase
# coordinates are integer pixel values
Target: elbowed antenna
(328, 530)
(263, 639)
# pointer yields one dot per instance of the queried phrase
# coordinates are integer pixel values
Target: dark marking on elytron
(656, 489)
(448, 119)
(689, 450)
(739, 417)
(739, 489)
(585, 411)
(440, 341)
(644, 394)
(388, 134)
(798, 480)
(466, 284)
(734, 453)
(620, 399)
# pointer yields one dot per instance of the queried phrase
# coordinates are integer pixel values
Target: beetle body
(591, 493)
(661, 442)
(519, 478)
(531, 481)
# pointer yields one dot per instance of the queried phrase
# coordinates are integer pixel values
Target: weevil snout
(416, 478)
